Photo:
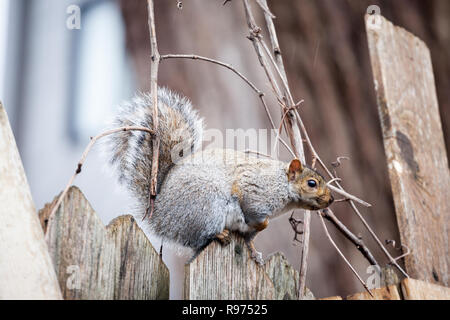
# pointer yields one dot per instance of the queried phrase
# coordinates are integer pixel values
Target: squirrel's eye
(312, 183)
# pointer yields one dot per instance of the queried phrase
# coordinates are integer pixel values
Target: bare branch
(223, 64)
(264, 7)
(154, 65)
(230, 67)
(347, 195)
(295, 223)
(257, 153)
(305, 252)
(329, 215)
(333, 180)
(342, 255)
(86, 152)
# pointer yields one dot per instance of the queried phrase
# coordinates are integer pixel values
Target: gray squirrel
(208, 194)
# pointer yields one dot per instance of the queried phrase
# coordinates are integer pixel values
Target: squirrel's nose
(331, 199)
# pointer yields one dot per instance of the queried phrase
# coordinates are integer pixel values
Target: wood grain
(139, 270)
(26, 270)
(419, 290)
(94, 262)
(332, 298)
(227, 273)
(415, 149)
(385, 293)
(285, 278)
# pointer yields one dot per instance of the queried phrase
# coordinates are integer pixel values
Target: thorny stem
(86, 152)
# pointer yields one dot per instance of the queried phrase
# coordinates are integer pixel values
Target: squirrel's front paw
(224, 237)
(257, 257)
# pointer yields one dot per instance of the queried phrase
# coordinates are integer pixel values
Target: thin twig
(257, 153)
(329, 215)
(342, 255)
(295, 223)
(348, 195)
(333, 180)
(277, 68)
(154, 65)
(305, 252)
(265, 8)
(86, 152)
(230, 67)
(290, 123)
(223, 64)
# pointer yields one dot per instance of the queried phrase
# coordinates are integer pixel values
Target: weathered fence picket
(414, 145)
(229, 273)
(421, 290)
(385, 293)
(25, 267)
(97, 262)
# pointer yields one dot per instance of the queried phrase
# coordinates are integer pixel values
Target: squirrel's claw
(257, 257)
(224, 237)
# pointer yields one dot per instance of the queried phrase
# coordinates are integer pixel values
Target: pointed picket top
(97, 262)
(26, 271)
(228, 272)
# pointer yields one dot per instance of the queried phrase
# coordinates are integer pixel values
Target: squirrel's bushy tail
(132, 151)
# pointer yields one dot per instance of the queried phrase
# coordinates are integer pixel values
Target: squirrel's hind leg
(223, 238)
(254, 254)
(198, 251)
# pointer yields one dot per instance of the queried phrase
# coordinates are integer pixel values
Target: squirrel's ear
(295, 168)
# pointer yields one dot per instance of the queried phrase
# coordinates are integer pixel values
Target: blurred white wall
(54, 76)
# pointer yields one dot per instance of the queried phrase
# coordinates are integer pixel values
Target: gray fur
(209, 191)
(196, 201)
(132, 151)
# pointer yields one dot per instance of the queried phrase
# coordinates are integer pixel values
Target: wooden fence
(77, 257)
(97, 262)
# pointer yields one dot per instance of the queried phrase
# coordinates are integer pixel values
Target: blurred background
(61, 85)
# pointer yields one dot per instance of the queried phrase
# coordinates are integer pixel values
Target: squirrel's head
(307, 187)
